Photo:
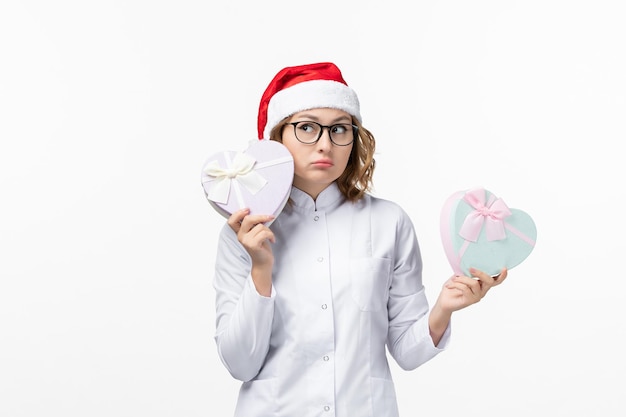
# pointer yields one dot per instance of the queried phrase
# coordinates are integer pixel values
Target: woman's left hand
(460, 291)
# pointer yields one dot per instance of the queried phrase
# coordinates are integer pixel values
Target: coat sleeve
(243, 316)
(408, 339)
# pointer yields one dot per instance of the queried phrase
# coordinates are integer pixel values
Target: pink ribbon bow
(491, 216)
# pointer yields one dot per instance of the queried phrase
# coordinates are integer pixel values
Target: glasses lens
(307, 132)
(342, 134)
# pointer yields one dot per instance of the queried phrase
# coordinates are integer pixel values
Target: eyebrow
(314, 118)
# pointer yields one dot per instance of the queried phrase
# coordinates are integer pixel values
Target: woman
(307, 306)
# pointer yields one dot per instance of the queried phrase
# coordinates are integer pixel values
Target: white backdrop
(108, 109)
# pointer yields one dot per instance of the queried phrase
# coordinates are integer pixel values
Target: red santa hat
(304, 87)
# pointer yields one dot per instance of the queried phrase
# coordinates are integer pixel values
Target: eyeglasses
(341, 134)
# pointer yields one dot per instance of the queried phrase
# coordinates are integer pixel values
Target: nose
(324, 140)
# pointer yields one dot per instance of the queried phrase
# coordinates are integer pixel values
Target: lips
(325, 163)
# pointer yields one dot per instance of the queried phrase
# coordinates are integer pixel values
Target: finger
(485, 279)
(501, 277)
(470, 282)
(266, 236)
(463, 293)
(462, 288)
(467, 283)
(250, 221)
(235, 219)
(261, 233)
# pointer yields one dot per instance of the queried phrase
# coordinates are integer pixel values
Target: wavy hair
(357, 179)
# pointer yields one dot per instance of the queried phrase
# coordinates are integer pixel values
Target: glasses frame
(355, 130)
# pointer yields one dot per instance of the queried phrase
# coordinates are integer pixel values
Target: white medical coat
(346, 283)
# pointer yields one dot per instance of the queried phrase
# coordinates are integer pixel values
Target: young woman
(307, 307)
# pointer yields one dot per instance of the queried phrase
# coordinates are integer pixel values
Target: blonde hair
(357, 179)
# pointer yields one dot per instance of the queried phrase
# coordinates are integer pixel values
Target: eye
(339, 129)
(307, 127)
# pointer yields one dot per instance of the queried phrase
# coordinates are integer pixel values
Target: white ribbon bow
(240, 170)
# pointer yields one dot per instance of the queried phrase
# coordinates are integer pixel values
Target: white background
(108, 109)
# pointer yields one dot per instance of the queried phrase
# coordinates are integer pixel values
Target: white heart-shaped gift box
(259, 178)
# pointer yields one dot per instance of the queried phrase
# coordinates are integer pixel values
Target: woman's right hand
(256, 237)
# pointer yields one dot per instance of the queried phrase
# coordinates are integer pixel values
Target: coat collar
(328, 199)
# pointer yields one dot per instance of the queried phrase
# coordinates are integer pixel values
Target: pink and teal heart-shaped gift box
(478, 230)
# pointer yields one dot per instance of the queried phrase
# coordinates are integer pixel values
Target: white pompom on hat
(305, 87)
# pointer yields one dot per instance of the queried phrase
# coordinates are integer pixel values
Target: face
(317, 165)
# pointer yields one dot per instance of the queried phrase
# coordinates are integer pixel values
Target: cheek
(298, 159)
(345, 156)
(298, 167)
(291, 148)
